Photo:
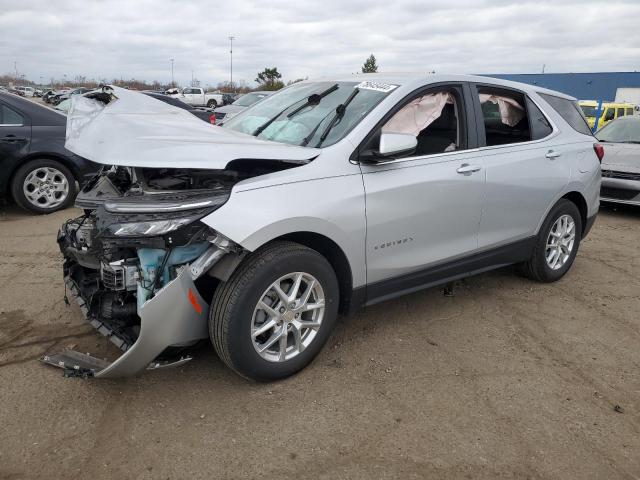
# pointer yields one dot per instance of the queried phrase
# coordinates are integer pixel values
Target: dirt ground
(507, 379)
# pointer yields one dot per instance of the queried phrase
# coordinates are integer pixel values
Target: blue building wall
(583, 86)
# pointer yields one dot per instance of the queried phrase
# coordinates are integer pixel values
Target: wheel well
(40, 156)
(335, 256)
(581, 203)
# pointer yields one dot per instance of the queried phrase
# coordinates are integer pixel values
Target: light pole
(172, 82)
(231, 38)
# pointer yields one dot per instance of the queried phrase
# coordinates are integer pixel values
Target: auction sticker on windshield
(378, 87)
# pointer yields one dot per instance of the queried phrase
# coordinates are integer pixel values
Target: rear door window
(620, 112)
(629, 111)
(10, 117)
(505, 116)
(569, 111)
(610, 114)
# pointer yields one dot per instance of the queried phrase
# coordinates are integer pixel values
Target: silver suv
(322, 198)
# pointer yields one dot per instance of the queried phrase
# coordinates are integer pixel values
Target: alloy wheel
(560, 242)
(46, 187)
(287, 317)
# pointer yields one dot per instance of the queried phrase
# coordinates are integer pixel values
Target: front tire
(556, 245)
(43, 186)
(212, 104)
(275, 313)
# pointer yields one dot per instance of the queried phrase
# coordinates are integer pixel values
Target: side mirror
(396, 143)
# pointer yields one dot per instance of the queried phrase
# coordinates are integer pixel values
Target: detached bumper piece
(76, 364)
(175, 317)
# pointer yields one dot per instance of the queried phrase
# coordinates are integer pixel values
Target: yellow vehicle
(610, 110)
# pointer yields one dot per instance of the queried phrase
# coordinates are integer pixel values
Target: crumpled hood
(136, 130)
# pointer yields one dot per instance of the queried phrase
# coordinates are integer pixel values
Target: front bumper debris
(176, 316)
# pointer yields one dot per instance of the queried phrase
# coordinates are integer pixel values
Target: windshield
(64, 106)
(309, 124)
(625, 130)
(249, 99)
(588, 111)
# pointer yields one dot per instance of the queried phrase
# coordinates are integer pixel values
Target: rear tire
(556, 245)
(212, 104)
(248, 315)
(43, 186)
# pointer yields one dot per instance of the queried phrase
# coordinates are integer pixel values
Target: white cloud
(117, 38)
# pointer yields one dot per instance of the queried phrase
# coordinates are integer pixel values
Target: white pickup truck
(197, 97)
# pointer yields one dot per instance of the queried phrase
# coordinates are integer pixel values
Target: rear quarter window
(569, 111)
(9, 116)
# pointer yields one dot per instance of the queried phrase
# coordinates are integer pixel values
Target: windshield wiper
(308, 138)
(340, 109)
(313, 99)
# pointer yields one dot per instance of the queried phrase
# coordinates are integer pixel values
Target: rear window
(10, 117)
(505, 116)
(569, 111)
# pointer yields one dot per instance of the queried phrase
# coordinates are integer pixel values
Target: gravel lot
(507, 379)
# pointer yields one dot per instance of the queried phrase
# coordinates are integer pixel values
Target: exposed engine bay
(139, 233)
(138, 261)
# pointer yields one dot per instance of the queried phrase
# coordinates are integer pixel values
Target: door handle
(467, 168)
(11, 139)
(551, 154)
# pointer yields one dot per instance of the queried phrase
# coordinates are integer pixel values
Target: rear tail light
(599, 149)
(212, 119)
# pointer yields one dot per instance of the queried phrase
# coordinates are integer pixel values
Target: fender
(333, 207)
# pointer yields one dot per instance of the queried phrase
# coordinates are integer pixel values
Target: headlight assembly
(149, 228)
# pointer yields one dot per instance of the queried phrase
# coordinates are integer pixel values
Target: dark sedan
(35, 168)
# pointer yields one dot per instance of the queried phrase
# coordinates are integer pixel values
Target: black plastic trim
(588, 225)
(464, 267)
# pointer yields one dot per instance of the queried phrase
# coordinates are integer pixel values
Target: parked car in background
(37, 93)
(242, 103)
(229, 98)
(203, 113)
(35, 168)
(15, 91)
(54, 93)
(57, 98)
(47, 95)
(609, 112)
(27, 91)
(255, 234)
(621, 163)
(197, 97)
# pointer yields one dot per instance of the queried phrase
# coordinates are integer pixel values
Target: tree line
(268, 79)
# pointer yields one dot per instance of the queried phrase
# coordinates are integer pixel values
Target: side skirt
(448, 272)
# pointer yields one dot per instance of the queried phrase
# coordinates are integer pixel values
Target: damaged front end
(137, 263)
(140, 263)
